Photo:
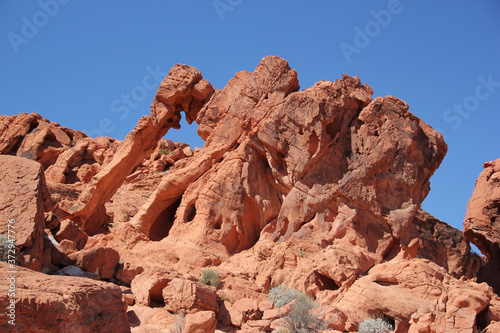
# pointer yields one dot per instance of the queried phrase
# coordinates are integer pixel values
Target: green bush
(282, 295)
(210, 278)
(4, 248)
(165, 151)
(302, 318)
(378, 325)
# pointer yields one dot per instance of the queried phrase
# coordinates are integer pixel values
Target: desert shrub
(178, 325)
(210, 278)
(282, 295)
(378, 325)
(165, 151)
(301, 253)
(4, 248)
(301, 318)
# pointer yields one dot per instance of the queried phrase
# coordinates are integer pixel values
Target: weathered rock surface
(418, 295)
(186, 296)
(81, 161)
(319, 189)
(102, 261)
(243, 310)
(285, 153)
(182, 90)
(23, 200)
(148, 286)
(34, 137)
(200, 322)
(482, 222)
(62, 304)
(146, 319)
(70, 231)
(445, 246)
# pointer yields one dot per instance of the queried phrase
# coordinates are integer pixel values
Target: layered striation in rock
(319, 189)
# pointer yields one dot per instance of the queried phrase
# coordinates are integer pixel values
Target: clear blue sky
(93, 65)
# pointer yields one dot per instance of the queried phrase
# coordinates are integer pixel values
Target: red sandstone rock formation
(200, 322)
(23, 200)
(46, 303)
(445, 246)
(319, 189)
(417, 294)
(182, 90)
(482, 222)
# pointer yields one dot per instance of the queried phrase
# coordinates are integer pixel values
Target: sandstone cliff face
(319, 189)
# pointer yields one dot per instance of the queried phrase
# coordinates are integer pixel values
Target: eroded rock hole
(389, 320)
(218, 223)
(156, 294)
(324, 282)
(18, 140)
(190, 212)
(313, 144)
(251, 222)
(493, 210)
(33, 126)
(331, 130)
(162, 225)
(482, 319)
(386, 283)
(392, 250)
(16, 146)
